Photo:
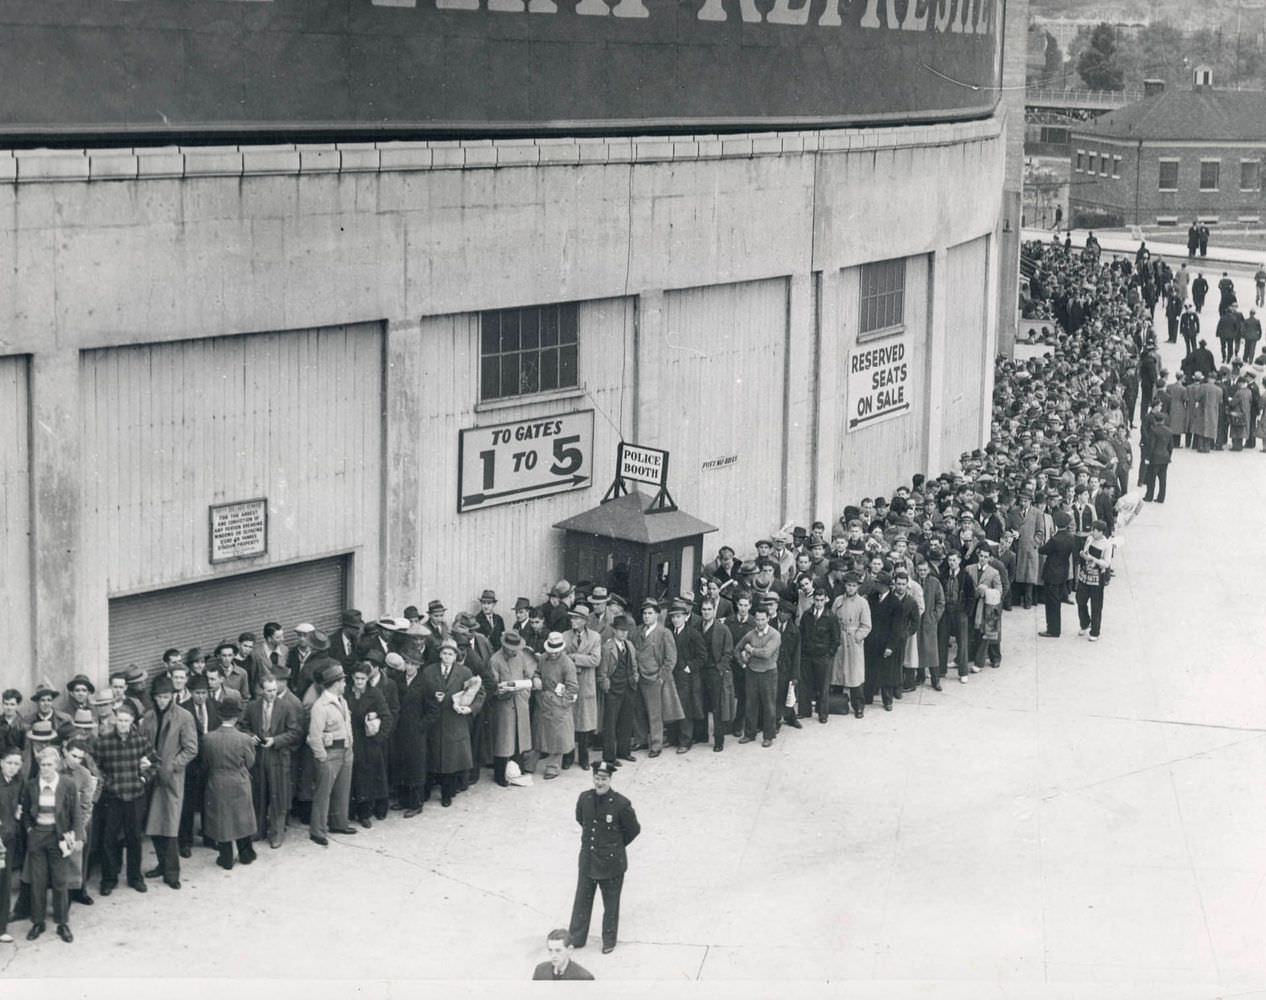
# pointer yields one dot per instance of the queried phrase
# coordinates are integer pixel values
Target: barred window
(883, 295)
(528, 350)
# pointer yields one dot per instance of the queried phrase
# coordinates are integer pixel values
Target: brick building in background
(1174, 156)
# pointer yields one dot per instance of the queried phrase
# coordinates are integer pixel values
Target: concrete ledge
(270, 160)
(47, 165)
(52, 165)
(404, 156)
(213, 161)
(113, 164)
(160, 161)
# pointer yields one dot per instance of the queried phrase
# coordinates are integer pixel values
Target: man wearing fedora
(656, 661)
(617, 679)
(608, 824)
(330, 740)
(692, 657)
(42, 700)
(172, 736)
(229, 812)
(346, 638)
(584, 646)
(79, 691)
(488, 623)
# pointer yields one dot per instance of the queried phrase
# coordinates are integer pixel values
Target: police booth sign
(878, 382)
(524, 460)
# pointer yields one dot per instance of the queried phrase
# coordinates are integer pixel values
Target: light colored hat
(515, 776)
(555, 643)
(305, 628)
(394, 624)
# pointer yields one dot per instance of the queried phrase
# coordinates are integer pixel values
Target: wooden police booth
(634, 545)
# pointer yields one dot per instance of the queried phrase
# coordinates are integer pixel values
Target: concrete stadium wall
(743, 249)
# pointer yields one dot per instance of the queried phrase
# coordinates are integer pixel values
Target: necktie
(268, 716)
(202, 718)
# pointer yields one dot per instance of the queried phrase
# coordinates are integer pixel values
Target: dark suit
(1059, 551)
(491, 627)
(608, 825)
(692, 655)
(718, 683)
(272, 785)
(617, 679)
(45, 864)
(545, 971)
(343, 646)
(819, 639)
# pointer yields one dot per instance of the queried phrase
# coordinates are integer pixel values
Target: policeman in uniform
(608, 825)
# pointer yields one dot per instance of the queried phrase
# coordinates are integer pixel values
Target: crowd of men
(228, 748)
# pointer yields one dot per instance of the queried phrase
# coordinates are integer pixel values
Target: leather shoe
(717, 749)
(767, 743)
(684, 748)
(747, 739)
(794, 723)
(654, 753)
(446, 801)
(172, 883)
(154, 873)
(858, 713)
(347, 830)
(63, 932)
(936, 684)
(607, 949)
(81, 897)
(1048, 635)
(139, 886)
(318, 840)
(106, 888)
(186, 852)
(35, 931)
(410, 813)
(822, 719)
(629, 757)
(887, 706)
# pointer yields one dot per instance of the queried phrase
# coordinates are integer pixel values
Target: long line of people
(337, 731)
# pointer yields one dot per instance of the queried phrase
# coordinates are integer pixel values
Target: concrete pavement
(1084, 822)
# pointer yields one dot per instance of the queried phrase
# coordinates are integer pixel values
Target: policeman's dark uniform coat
(608, 825)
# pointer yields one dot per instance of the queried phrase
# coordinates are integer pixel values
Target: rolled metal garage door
(201, 614)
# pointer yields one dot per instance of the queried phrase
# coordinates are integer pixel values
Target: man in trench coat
(173, 734)
(584, 646)
(688, 674)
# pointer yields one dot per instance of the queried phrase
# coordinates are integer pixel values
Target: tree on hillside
(1099, 66)
(1053, 66)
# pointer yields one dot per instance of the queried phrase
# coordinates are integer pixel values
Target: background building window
(1168, 180)
(1094, 163)
(1081, 160)
(1103, 165)
(522, 351)
(1210, 171)
(1250, 175)
(1116, 167)
(883, 295)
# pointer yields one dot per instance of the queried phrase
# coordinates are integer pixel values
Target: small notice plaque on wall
(239, 530)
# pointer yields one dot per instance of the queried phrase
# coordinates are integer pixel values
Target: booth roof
(626, 518)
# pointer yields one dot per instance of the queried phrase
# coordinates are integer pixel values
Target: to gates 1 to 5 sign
(523, 460)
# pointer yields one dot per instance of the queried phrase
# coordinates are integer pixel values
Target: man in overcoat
(449, 751)
(1059, 551)
(173, 734)
(656, 661)
(687, 674)
(513, 667)
(608, 825)
(617, 679)
(584, 646)
(275, 719)
(819, 641)
(718, 682)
